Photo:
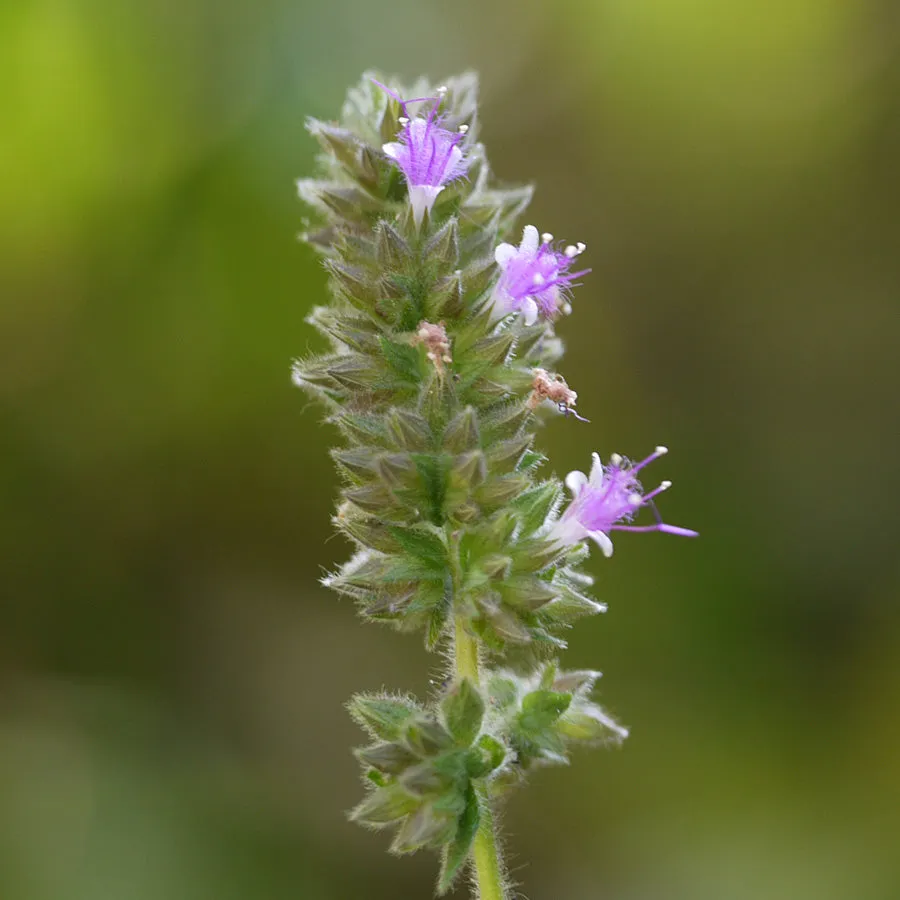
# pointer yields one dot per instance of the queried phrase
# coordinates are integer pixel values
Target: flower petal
(530, 310)
(421, 198)
(530, 240)
(601, 539)
(452, 167)
(596, 470)
(504, 253)
(575, 481)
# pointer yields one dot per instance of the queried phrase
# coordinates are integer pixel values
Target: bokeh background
(172, 676)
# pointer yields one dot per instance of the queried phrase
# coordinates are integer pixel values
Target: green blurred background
(172, 676)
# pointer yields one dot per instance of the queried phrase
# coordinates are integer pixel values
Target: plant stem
(485, 853)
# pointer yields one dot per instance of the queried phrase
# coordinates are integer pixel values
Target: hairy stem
(485, 853)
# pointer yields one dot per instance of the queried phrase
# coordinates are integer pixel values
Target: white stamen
(665, 485)
(616, 459)
(635, 499)
(463, 129)
(538, 278)
(566, 309)
(661, 451)
(571, 251)
(581, 246)
(442, 90)
(546, 237)
(403, 120)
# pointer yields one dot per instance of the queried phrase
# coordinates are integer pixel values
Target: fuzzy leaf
(457, 852)
(408, 430)
(424, 828)
(427, 737)
(392, 252)
(444, 245)
(487, 755)
(339, 142)
(403, 359)
(389, 758)
(440, 613)
(383, 717)
(432, 471)
(424, 546)
(504, 455)
(462, 431)
(424, 780)
(384, 805)
(463, 710)
(536, 504)
(541, 709)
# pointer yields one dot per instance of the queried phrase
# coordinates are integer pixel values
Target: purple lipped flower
(611, 495)
(427, 153)
(535, 277)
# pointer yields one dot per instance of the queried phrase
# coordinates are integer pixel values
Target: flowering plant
(441, 370)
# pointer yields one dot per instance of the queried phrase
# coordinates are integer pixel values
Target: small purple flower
(428, 154)
(535, 277)
(611, 495)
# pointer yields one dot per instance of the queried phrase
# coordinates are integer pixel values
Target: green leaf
(408, 430)
(424, 780)
(355, 285)
(490, 351)
(487, 755)
(504, 456)
(384, 805)
(575, 681)
(391, 250)
(362, 428)
(467, 470)
(444, 298)
(443, 247)
(530, 461)
(541, 709)
(428, 738)
(534, 505)
(383, 717)
(389, 758)
(339, 142)
(588, 723)
(357, 462)
(433, 473)
(463, 711)
(456, 854)
(502, 691)
(424, 545)
(495, 565)
(570, 606)
(404, 359)
(526, 593)
(424, 828)
(499, 490)
(462, 432)
(440, 612)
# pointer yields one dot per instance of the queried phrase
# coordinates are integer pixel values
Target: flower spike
(438, 388)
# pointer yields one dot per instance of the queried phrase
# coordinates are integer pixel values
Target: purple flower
(611, 495)
(534, 277)
(428, 154)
